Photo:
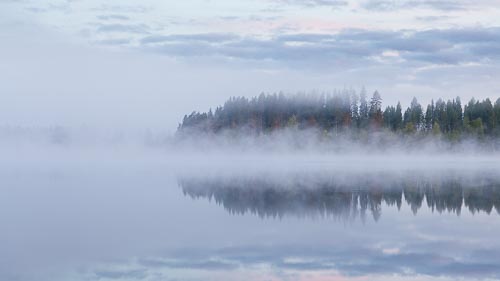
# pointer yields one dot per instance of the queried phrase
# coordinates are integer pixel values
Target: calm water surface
(116, 221)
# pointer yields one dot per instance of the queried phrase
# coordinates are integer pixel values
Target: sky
(144, 64)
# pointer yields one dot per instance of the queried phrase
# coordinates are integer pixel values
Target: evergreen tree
(363, 109)
(375, 112)
(428, 118)
(354, 108)
(496, 109)
(398, 118)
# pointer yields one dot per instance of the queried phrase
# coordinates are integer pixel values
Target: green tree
(363, 109)
(375, 112)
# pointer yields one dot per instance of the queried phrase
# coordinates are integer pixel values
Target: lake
(237, 218)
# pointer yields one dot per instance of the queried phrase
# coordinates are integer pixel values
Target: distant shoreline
(347, 113)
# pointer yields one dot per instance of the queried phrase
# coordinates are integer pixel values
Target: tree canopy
(345, 110)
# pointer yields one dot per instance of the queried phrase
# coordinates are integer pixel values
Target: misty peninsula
(346, 112)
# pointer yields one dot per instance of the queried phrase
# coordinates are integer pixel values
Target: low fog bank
(78, 137)
(281, 149)
(348, 142)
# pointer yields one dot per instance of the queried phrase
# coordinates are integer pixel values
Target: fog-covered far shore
(58, 147)
(288, 140)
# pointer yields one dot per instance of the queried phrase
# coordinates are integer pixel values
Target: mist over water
(205, 140)
(132, 209)
(313, 142)
(86, 204)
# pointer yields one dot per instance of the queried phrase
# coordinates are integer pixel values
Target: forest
(344, 111)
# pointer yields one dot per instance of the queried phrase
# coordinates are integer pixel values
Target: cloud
(208, 264)
(123, 28)
(350, 261)
(138, 274)
(206, 37)
(36, 10)
(443, 5)
(122, 9)
(114, 42)
(350, 47)
(438, 5)
(113, 17)
(432, 18)
(314, 3)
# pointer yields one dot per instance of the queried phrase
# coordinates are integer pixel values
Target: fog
(96, 183)
(287, 146)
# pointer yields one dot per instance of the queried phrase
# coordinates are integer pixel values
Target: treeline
(347, 110)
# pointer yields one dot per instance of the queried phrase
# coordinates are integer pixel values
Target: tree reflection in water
(345, 198)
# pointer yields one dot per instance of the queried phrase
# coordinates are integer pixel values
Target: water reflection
(320, 195)
(142, 226)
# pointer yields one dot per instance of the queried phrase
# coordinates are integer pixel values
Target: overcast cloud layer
(146, 64)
